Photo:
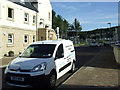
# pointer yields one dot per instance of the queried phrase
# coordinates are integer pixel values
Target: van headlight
(40, 67)
(7, 68)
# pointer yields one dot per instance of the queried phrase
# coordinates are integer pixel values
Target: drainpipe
(36, 27)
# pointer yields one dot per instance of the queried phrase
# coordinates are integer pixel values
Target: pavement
(102, 72)
(4, 61)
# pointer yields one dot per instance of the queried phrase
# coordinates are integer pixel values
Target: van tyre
(73, 67)
(52, 81)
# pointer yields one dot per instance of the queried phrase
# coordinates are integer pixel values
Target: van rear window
(39, 51)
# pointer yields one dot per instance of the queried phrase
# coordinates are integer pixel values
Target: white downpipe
(58, 33)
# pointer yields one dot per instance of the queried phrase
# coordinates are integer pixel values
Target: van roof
(53, 42)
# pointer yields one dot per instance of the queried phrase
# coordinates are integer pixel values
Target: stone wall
(46, 34)
(18, 39)
(117, 53)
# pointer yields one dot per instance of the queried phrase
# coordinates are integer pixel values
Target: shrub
(11, 53)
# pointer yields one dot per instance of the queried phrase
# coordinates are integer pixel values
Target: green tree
(58, 21)
(65, 27)
(76, 25)
(54, 19)
(60, 24)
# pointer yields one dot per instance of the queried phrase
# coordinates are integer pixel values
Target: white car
(41, 64)
(93, 43)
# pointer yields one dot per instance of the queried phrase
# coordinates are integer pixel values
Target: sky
(91, 15)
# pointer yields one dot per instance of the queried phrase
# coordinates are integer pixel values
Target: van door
(60, 61)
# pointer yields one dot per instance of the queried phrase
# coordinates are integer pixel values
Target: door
(60, 61)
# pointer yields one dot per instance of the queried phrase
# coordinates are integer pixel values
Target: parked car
(113, 42)
(100, 44)
(41, 64)
(93, 43)
(107, 43)
(117, 43)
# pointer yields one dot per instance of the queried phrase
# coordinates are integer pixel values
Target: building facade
(22, 22)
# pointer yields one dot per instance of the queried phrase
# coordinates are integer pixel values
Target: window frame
(10, 18)
(33, 38)
(25, 39)
(34, 19)
(57, 52)
(26, 22)
(49, 16)
(12, 38)
(41, 38)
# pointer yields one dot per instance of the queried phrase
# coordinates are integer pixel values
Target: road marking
(89, 68)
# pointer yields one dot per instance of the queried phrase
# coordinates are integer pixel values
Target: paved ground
(4, 61)
(99, 73)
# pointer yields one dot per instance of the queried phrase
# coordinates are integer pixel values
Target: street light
(109, 28)
(109, 24)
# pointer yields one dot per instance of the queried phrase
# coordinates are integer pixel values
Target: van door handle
(72, 50)
(64, 58)
(68, 60)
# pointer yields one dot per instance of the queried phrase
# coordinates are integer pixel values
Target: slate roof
(25, 4)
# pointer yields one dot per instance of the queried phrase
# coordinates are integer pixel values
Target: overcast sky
(91, 15)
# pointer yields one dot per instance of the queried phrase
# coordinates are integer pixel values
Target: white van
(41, 63)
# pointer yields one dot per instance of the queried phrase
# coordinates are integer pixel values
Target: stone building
(22, 23)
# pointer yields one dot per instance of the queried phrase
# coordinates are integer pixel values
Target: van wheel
(73, 68)
(52, 81)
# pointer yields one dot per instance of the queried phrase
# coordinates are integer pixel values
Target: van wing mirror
(59, 56)
(19, 53)
(62, 55)
(55, 58)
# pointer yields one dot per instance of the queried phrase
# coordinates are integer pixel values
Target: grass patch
(80, 44)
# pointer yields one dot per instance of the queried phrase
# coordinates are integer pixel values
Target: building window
(34, 38)
(10, 38)
(34, 19)
(10, 13)
(49, 16)
(41, 38)
(26, 39)
(26, 17)
(51, 37)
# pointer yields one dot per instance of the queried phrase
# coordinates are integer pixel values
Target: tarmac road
(83, 55)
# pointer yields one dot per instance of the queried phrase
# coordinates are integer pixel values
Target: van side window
(60, 52)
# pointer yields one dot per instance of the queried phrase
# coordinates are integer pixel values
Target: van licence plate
(14, 78)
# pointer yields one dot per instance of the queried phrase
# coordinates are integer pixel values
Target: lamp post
(116, 33)
(109, 23)
(57, 32)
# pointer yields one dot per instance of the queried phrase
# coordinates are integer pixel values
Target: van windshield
(39, 51)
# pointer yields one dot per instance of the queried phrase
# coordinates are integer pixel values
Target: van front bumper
(29, 81)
